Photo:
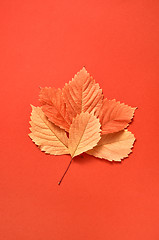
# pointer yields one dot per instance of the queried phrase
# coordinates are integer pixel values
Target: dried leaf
(84, 133)
(115, 116)
(114, 146)
(46, 135)
(82, 94)
(80, 110)
(54, 107)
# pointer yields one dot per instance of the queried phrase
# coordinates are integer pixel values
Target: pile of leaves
(78, 119)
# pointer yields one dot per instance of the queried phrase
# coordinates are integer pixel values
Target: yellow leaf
(114, 146)
(49, 137)
(84, 133)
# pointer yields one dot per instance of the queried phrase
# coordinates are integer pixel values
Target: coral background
(44, 43)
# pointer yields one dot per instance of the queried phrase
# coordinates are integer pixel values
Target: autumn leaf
(50, 138)
(115, 116)
(114, 146)
(84, 133)
(76, 119)
(82, 94)
(54, 107)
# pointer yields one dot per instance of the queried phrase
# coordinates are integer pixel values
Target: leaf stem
(65, 172)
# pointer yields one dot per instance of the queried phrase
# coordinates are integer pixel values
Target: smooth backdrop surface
(44, 43)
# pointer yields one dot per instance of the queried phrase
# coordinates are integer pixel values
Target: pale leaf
(84, 133)
(54, 107)
(114, 146)
(82, 94)
(115, 116)
(49, 137)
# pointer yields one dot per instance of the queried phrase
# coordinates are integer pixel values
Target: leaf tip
(33, 107)
(84, 67)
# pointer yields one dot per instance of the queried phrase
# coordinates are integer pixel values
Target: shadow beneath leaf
(86, 159)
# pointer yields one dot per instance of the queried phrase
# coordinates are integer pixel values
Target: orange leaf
(84, 133)
(114, 146)
(46, 135)
(115, 116)
(82, 94)
(54, 107)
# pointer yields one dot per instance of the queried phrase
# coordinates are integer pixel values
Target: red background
(44, 43)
